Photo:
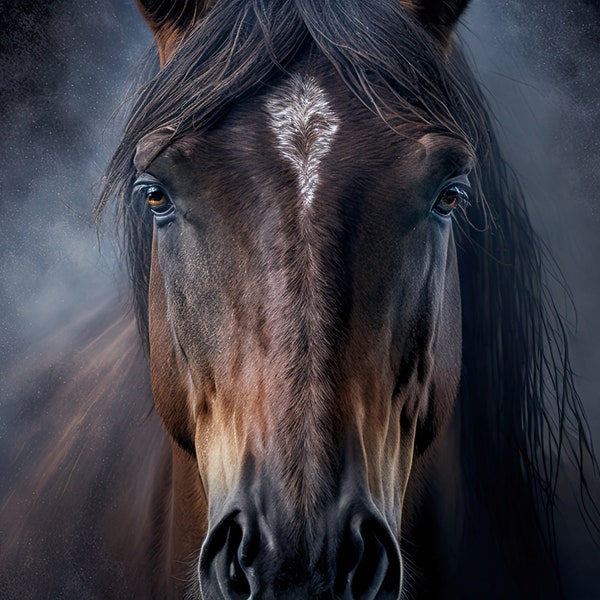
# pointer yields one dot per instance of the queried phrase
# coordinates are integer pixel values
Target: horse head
(304, 313)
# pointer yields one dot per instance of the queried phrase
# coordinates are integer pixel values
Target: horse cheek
(446, 366)
(167, 366)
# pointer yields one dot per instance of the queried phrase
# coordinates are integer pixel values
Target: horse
(344, 376)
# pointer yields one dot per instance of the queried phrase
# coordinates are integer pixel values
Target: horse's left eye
(450, 198)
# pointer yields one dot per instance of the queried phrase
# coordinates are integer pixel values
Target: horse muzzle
(350, 555)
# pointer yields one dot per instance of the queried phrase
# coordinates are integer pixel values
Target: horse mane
(518, 410)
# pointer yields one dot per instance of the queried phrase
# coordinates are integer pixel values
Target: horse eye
(451, 197)
(157, 200)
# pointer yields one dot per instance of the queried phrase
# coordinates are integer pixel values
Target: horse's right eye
(157, 200)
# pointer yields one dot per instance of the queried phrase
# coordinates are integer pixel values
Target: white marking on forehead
(304, 125)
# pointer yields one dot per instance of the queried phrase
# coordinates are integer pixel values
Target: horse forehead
(304, 125)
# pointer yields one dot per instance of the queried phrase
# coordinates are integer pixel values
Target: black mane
(518, 410)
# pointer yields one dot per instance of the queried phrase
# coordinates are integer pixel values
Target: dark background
(65, 67)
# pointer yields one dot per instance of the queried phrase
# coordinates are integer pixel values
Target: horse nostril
(371, 570)
(235, 581)
(224, 564)
(239, 561)
(368, 563)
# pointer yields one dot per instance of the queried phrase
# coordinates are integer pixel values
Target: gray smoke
(65, 67)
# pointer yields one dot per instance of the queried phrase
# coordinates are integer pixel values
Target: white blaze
(304, 126)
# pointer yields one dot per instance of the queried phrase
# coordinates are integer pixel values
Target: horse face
(304, 330)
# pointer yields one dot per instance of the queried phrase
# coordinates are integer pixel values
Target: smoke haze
(65, 67)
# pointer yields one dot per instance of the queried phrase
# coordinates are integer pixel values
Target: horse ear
(169, 21)
(439, 17)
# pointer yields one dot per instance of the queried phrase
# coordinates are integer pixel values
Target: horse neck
(453, 534)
